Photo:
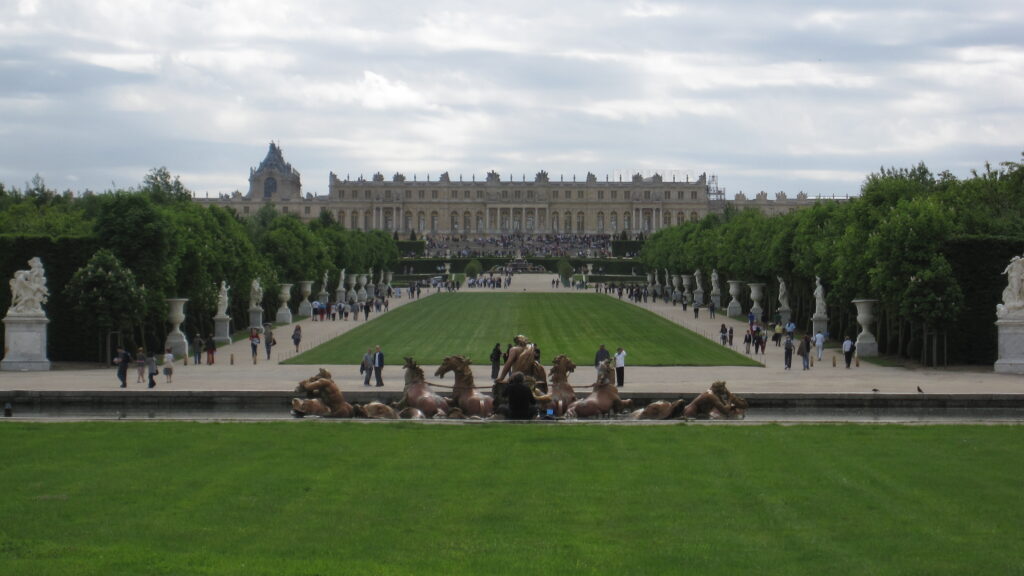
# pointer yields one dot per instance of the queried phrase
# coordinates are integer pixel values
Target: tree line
(929, 247)
(113, 258)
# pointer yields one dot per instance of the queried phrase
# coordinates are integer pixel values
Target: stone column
(305, 288)
(735, 290)
(756, 293)
(284, 313)
(866, 343)
(176, 340)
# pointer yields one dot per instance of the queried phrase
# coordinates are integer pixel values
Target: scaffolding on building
(716, 195)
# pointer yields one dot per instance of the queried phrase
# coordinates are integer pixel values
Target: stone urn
(687, 281)
(361, 292)
(305, 289)
(676, 281)
(284, 314)
(176, 340)
(735, 291)
(756, 293)
(866, 343)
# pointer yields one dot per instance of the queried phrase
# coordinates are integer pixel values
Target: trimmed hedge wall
(406, 247)
(61, 257)
(977, 262)
(610, 266)
(622, 248)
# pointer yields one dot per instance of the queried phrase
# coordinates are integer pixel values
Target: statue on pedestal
(714, 281)
(255, 294)
(819, 298)
(28, 290)
(222, 298)
(784, 294)
(1013, 294)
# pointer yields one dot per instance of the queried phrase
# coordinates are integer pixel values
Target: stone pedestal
(819, 323)
(339, 294)
(735, 290)
(25, 343)
(687, 282)
(256, 317)
(176, 340)
(716, 299)
(1011, 345)
(866, 343)
(785, 314)
(305, 288)
(324, 297)
(698, 296)
(756, 293)
(222, 329)
(284, 313)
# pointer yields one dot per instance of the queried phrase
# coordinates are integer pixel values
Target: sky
(790, 95)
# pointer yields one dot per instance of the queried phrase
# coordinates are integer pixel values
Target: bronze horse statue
(560, 392)
(603, 399)
(464, 393)
(323, 398)
(660, 410)
(523, 358)
(418, 394)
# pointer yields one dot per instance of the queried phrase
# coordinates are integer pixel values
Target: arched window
(269, 187)
(479, 222)
(694, 217)
(581, 221)
(614, 222)
(554, 222)
(600, 222)
(408, 222)
(680, 218)
(467, 222)
(568, 223)
(454, 222)
(341, 217)
(433, 222)
(367, 220)
(421, 221)
(627, 221)
(355, 220)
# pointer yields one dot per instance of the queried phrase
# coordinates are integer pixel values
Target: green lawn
(318, 497)
(572, 324)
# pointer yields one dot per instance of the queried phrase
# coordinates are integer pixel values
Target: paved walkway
(823, 378)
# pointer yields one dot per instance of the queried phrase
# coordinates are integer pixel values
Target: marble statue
(341, 280)
(783, 294)
(819, 298)
(255, 294)
(697, 279)
(714, 281)
(222, 298)
(28, 290)
(1013, 294)
(323, 287)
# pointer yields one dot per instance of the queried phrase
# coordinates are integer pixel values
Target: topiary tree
(106, 296)
(473, 269)
(564, 270)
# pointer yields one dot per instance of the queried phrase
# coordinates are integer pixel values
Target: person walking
(378, 366)
(848, 349)
(804, 351)
(723, 335)
(620, 367)
(122, 360)
(730, 336)
(495, 361)
(297, 336)
(819, 343)
(151, 369)
(211, 350)
(140, 366)
(268, 338)
(788, 352)
(197, 349)
(602, 355)
(254, 342)
(748, 340)
(366, 366)
(168, 366)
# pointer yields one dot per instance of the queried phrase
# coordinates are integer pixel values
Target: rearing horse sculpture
(560, 392)
(464, 392)
(603, 399)
(418, 394)
(323, 398)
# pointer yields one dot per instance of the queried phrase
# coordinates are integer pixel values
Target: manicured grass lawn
(316, 497)
(572, 324)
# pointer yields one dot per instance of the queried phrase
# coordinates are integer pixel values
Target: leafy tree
(473, 269)
(106, 296)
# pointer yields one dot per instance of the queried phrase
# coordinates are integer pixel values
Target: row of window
(515, 195)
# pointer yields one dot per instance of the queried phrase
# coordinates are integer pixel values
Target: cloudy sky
(787, 95)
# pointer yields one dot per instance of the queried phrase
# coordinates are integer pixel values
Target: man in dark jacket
(521, 403)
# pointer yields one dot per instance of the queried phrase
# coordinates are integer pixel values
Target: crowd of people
(520, 245)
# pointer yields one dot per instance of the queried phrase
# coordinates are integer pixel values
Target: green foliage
(473, 269)
(565, 269)
(106, 296)
(411, 247)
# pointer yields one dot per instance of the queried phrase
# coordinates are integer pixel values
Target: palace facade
(495, 206)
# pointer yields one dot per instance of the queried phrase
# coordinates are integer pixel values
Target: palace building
(494, 206)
